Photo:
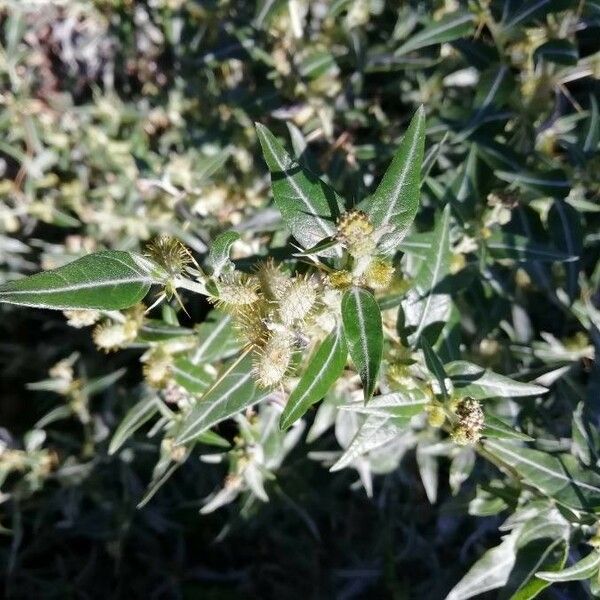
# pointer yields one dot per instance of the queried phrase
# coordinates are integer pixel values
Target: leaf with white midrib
(375, 432)
(139, 414)
(308, 206)
(364, 335)
(490, 572)
(231, 393)
(583, 569)
(559, 477)
(450, 27)
(479, 383)
(396, 200)
(107, 280)
(435, 267)
(324, 368)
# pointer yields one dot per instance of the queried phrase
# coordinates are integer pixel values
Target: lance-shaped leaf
(193, 378)
(396, 200)
(558, 476)
(231, 393)
(435, 365)
(478, 383)
(374, 432)
(425, 306)
(308, 206)
(137, 415)
(584, 569)
(565, 226)
(364, 334)
(324, 368)
(108, 280)
(404, 404)
(542, 545)
(490, 572)
(218, 257)
(450, 27)
(518, 247)
(498, 429)
(216, 338)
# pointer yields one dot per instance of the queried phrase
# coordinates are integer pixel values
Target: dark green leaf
(108, 280)
(364, 334)
(322, 371)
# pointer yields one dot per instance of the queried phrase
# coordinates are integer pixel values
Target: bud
(340, 280)
(110, 336)
(81, 318)
(273, 359)
(436, 416)
(236, 290)
(355, 232)
(470, 422)
(169, 253)
(157, 367)
(273, 280)
(299, 300)
(379, 274)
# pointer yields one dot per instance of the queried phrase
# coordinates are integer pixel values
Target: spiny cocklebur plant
(363, 313)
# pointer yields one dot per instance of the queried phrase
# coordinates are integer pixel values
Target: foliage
(414, 316)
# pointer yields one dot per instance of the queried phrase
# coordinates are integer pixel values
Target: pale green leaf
(479, 383)
(424, 305)
(138, 414)
(498, 429)
(584, 569)
(490, 572)
(374, 432)
(558, 476)
(403, 404)
(218, 257)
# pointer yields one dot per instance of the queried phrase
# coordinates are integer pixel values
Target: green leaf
(561, 52)
(396, 200)
(424, 306)
(404, 404)
(542, 544)
(154, 330)
(558, 476)
(218, 257)
(364, 334)
(194, 378)
(434, 364)
(324, 368)
(565, 226)
(584, 569)
(137, 415)
(490, 572)
(108, 280)
(504, 245)
(447, 29)
(231, 393)
(479, 383)
(498, 429)
(375, 432)
(550, 183)
(216, 338)
(308, 206)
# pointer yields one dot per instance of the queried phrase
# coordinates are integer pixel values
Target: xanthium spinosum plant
(355, 313)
